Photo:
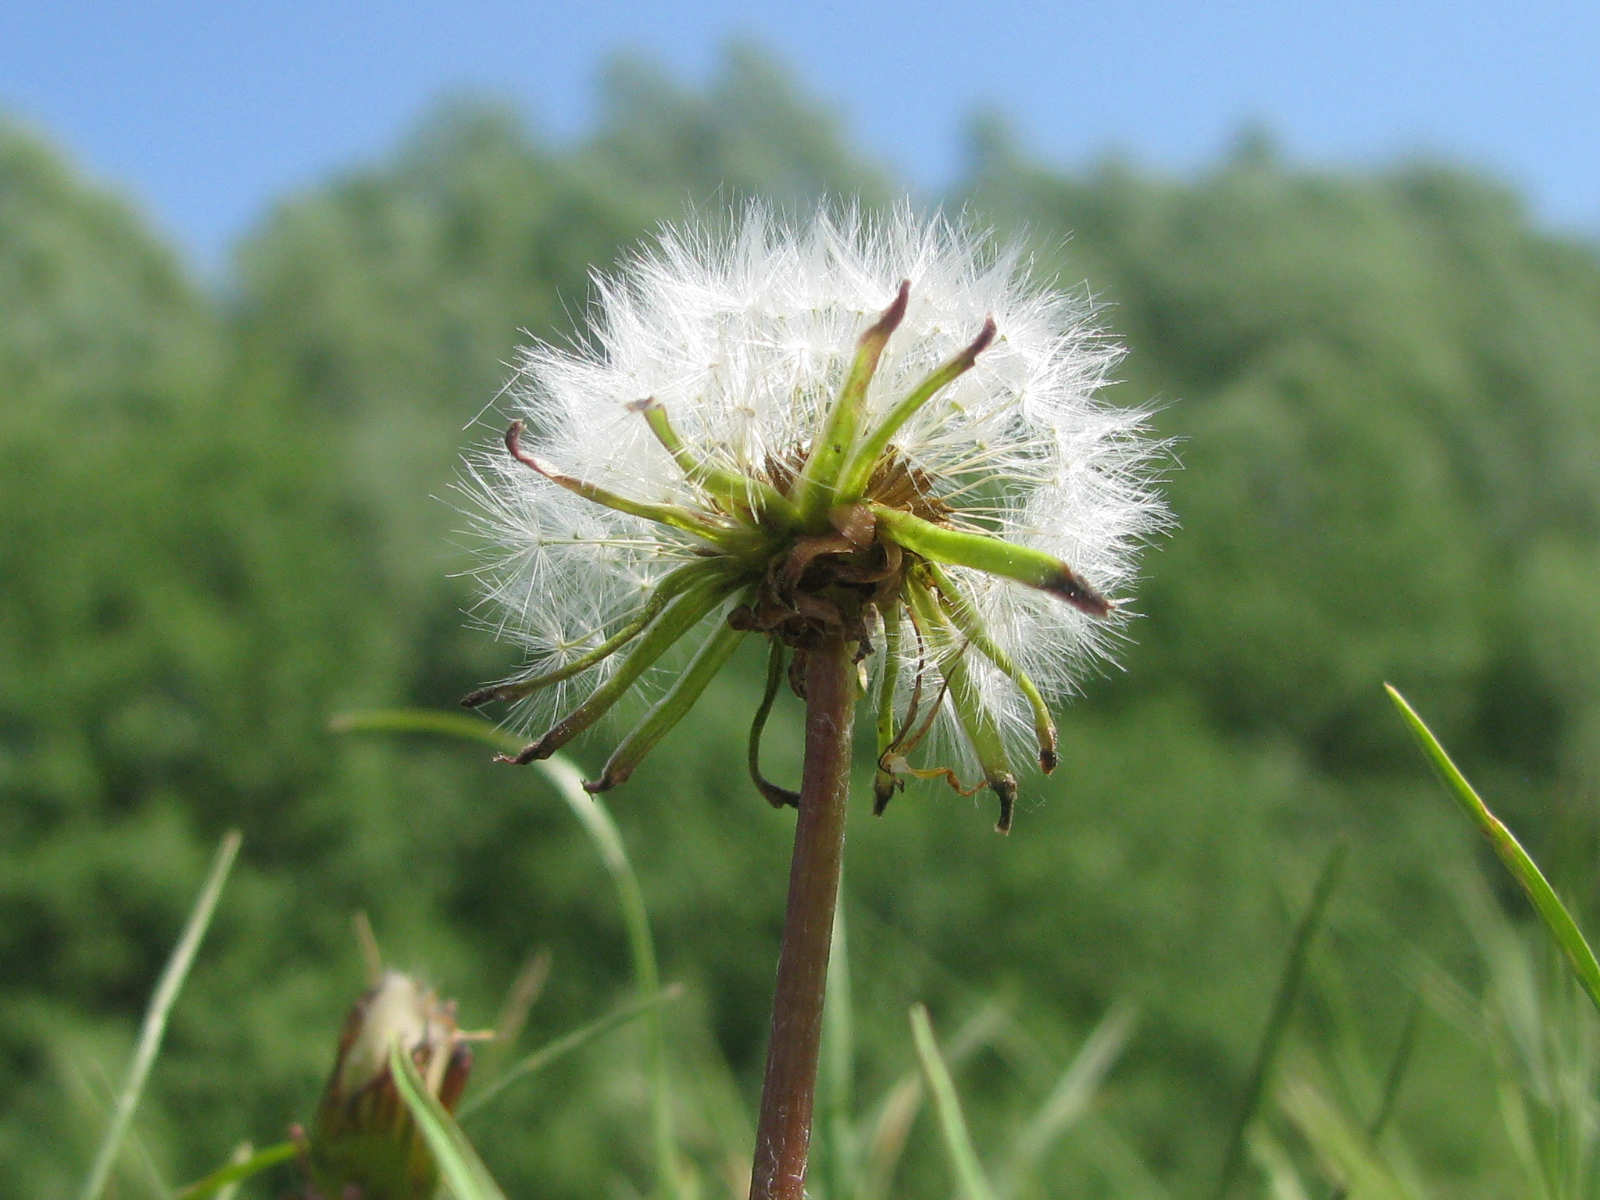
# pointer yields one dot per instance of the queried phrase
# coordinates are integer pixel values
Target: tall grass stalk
(1069, 1100)
(974, 1185)
(234, 1173)
(155, 1017)
(603, 834)
(1289, 983)
(1552, 912)
(459, 1165)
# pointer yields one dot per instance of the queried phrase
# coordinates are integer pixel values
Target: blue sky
(208, 110)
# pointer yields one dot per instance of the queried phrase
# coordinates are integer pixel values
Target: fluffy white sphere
(744, 333)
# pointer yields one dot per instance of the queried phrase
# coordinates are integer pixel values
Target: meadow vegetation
(226, 515)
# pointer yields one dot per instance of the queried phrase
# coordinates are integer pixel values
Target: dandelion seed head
(743, 333)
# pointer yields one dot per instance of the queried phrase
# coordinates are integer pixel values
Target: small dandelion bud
(364, 1144)
(874, 430)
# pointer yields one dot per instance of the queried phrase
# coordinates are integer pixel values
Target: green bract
(843, 535)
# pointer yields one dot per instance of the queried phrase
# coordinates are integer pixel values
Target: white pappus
(874, 427)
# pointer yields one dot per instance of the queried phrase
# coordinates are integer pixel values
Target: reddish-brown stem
(783, 1133)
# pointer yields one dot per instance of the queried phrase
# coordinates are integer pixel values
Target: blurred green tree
(224, 518)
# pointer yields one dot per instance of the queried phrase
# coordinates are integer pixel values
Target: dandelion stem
(783, 1133)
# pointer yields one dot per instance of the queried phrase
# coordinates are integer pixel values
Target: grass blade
(458, 1162)
(155, 1017)
(1294, 969)
(1069, 1100)
(596, 820)
(1345, 1150)
(236, 1172)
(525, 989)
(426, 720)
(562, 1046)
(900, 1105)
(603, 834)
(1390, 1097)
(958, 1142)
(1557, 920)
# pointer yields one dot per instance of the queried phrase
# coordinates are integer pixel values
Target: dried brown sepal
(1005, 787)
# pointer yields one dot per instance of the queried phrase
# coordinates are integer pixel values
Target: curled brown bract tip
(1048, 760)
(532, 752)
(514, 445)
(1067, 586)
(778, 797)
(648, 404)
(980, 343)
(892, 316)
(882, 793)
(480, 697)
(1005, 787)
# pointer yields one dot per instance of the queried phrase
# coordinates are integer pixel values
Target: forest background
(226, 515)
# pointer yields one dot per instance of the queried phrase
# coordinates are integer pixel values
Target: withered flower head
(875, 428)
(364, 1144)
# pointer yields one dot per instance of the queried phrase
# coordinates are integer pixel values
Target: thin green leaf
(964, 616)
(1282, 1178)
(596, 820)
(733, 488)
(966, 698)
(814, 491)
(679, 617)
(428, 721)
(1346, 1151)
(903, 1101)
(673, 515)
(1557, 920)
(458, 1162)
(1069, 1100)
(155, 1017)
(607, 841)
(858, 472)
(541, 1058)
(234, 1173)
(774, 795)
(1294, 969)
(1390, 1097)
(952, 1124)
(884, 785)
(525, 989)
(674, 584)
